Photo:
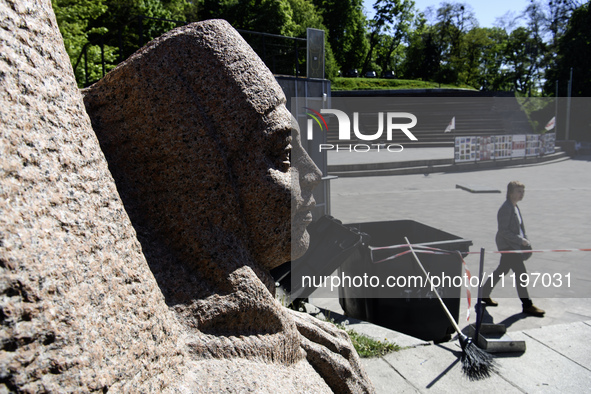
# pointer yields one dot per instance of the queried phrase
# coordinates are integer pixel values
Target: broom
(476, 363)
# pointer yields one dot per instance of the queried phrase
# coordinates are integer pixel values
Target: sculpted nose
(310, 174)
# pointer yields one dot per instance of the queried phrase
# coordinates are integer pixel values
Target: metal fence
(283, 55)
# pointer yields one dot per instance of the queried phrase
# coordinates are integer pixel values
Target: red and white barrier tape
(534, 251)
(430, 250)
(468, 293)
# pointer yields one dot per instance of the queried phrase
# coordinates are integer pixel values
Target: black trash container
(331, 244)
(408, 308)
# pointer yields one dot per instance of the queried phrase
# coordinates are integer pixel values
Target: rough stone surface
(79, 308)
(197, 137)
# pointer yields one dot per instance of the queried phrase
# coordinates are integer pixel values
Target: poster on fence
(518, 146)
(465, 149)
(532, 145)
(547, 143)
(503, 146)
(486, 149)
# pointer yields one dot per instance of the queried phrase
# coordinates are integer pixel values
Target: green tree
(523, 55)
(74, 18)
(389, 27)
(422, 56)
(302, 15)
(263, 16)
(546, 21)
(283, 17)
(100, 28)
(436, 51)
(398, 34)
(268, 16)
(345, 22)
(493, 70)
(131, 24)
(474, 44)
(454, 20)
(573, 51)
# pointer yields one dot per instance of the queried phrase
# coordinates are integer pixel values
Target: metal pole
(264, 50)
(570, 90)
(141, 22)
(479, 303)
(120, 38)
(103, 54)
(86, 64)
(297, 63)
(556, 110)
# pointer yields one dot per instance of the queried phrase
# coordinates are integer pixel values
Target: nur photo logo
(318, 118)
(388, 122)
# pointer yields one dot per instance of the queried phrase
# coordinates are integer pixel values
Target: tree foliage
(573, 51)
(345, 24)
(75, 19)
(119, 27)
(523, 54)
(269, 16)
(389, 28)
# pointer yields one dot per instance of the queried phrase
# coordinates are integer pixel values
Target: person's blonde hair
(512, 186)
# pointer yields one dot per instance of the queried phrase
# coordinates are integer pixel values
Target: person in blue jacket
(511, 236)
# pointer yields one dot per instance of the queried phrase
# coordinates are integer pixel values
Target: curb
(427, 167)
(364, 328)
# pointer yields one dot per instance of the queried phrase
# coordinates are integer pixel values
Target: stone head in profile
(210, 168)
(196, 131)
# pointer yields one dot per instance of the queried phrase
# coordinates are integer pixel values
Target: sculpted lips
(304, 214)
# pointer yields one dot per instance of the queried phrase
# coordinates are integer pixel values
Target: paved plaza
(557, 214)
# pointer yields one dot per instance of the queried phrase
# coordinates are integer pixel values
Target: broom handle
(449, 316)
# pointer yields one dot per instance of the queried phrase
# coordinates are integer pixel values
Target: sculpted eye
(280, 151)
(279, 144)
(284, 161)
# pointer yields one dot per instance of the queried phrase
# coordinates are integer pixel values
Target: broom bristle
(476, 363)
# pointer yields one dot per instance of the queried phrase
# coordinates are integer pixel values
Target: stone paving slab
(556, 361)
(545, 369)
(570, 340)
(437, 369)
(385, 379)
(556, 210)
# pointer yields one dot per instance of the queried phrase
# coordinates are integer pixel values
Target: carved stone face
(211, 171)
(278, 195)
(196, 131)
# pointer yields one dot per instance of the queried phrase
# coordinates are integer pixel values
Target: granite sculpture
(142, 264)
(80, 310)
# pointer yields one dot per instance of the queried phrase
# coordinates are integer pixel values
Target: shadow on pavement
(513, 319)
(582, 158)
(449, 368)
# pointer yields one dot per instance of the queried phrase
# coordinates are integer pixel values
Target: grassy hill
(388, 84)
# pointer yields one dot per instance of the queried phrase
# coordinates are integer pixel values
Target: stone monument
(79, 307)
(142, 264)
